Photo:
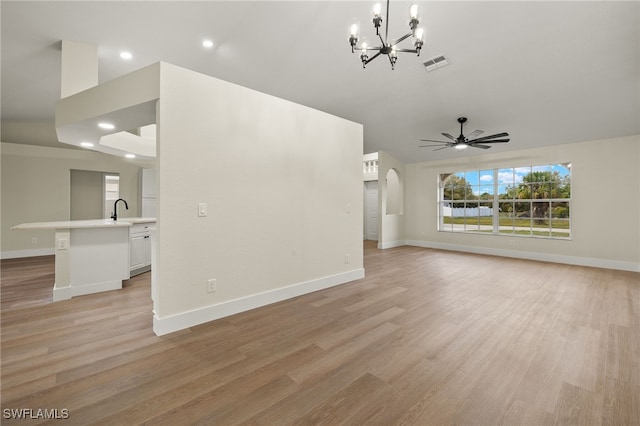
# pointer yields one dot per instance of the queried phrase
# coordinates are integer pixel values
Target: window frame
(557, 212)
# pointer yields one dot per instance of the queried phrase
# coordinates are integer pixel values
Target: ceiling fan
(462, 142)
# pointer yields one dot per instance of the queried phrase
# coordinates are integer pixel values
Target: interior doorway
(371, 210)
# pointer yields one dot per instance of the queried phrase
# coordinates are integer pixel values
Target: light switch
(202, 209)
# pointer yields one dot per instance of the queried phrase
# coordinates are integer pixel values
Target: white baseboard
(544, 257)
(391, 244)
(61, 293)
(188, 319)
(81, 290)
(66, 293)
(16, 254)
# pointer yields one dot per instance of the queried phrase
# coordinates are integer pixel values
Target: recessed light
(130, 155)
(86, 144)
(106, 126)
(126, 55)
(207, 43)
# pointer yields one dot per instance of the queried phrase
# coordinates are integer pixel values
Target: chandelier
(388, 47)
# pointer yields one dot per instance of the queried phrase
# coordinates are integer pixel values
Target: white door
(371, 210)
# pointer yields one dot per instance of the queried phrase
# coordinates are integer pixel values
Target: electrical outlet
(211, 285)
(63, 244)
(347, 258)
(202, 209)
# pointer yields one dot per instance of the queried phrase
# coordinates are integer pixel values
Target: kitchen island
(91, 256)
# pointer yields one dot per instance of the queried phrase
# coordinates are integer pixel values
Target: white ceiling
(546, 72)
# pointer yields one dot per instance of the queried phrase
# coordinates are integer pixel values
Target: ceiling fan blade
(431, 140)
(444, 147)
(475, 133)
(431, 146)
(479, 146)
(486, 138)
(495, 140)
(447, 135)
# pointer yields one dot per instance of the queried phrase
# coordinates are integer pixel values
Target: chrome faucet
(114, 216)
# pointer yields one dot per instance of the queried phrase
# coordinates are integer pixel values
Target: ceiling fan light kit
(388, 48)
(463, 142)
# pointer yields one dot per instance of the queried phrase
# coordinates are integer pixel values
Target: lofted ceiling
(545, 72)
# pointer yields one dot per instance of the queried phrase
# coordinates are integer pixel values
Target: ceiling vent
(436, 62)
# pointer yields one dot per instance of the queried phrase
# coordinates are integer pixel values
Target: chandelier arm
(381, 40)
(407, 50)
(372, 48)
(372, 58)
(404, 37)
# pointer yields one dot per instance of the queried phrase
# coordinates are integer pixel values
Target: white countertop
(76, 224)
(134, 220)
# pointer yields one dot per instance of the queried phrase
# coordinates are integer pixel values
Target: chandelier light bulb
(363, 55)
(353, 36)
(420, 33)
(413, 11)
(393, 57)
(377, 19)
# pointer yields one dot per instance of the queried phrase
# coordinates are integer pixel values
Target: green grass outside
(506, 221)
(521, 232)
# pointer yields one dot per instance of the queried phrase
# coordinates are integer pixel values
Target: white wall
(391, 226)
(86, 195)
(283, 186)
(36, 188)
(605, 213)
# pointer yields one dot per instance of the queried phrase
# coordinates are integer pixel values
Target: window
(529, 201)
(111, 192)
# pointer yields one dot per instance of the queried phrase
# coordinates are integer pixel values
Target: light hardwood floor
(428, 337)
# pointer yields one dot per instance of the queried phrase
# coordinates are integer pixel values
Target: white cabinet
(148, 183)
(148, 207)
(148, 191)
(138, 252)
(139, 248)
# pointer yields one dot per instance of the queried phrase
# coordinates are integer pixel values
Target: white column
(62, 284)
